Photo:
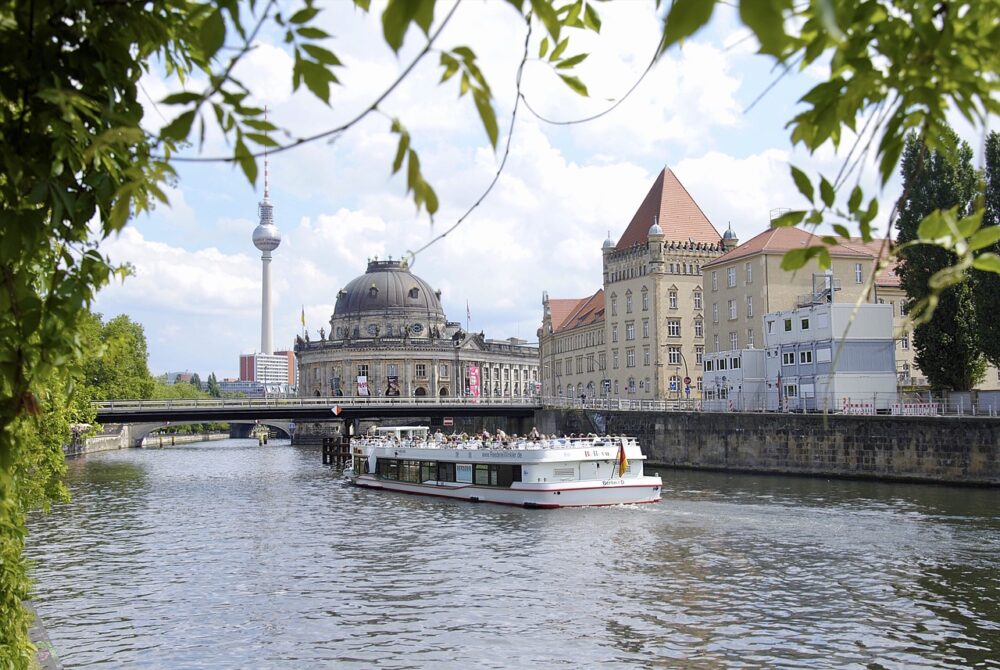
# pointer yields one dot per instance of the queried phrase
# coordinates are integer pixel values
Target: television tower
(266, 237)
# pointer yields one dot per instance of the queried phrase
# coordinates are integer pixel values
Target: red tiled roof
(674, 209)
(780, 240)
(585, 312)
(560, 308)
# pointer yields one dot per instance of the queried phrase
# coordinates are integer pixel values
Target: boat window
(446, 472)
(482, 474)
(428, 471)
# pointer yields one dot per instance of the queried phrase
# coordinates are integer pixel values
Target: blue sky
(197, 284)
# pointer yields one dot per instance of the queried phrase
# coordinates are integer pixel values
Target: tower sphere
(266, 237)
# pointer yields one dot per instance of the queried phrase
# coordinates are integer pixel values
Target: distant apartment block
(279, 368)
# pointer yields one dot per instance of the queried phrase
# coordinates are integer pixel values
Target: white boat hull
(546, 495)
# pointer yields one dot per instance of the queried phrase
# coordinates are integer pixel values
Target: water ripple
(228, 555)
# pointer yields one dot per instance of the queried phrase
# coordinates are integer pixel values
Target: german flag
(622, 460)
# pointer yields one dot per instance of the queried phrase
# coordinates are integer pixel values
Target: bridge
(307, 409)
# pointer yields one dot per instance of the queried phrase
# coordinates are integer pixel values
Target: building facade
(276, 368)
(389, 336)
(654, 300)
(572, 347)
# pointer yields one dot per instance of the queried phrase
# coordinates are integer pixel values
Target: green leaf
(404, 146)
(179, 128)
(312, 33)
(842, 230)
(304, 15)
(558, 51)
(796, 259)
(395, 20)
(547, 15)
(363, 4)
(988, 262)
(486, 112)
(212, 33)
(855, 201)
(182, 98)
(261, 139)
(789, 219)
(321, 55)
(802, 183)
(985, 237)
(591, 19)
(424, 15)
(317, 79)
(933, 227)
(575, 84)
(246, 161)
(766, 19)
(543, 48)
(684, 19)
(971, 223)
(572, 61)
(826, 192)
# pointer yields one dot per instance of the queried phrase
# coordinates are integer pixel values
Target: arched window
(414, 292)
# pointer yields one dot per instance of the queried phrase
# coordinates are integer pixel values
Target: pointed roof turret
(676, 212)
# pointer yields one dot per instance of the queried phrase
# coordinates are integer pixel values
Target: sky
(196, 288)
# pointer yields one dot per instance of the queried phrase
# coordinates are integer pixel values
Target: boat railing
(513, 444)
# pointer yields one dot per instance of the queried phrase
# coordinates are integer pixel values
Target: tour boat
(540, 472)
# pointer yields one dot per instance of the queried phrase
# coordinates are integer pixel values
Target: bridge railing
(343, 401)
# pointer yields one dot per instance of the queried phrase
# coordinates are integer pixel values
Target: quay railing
(343, 401)
(971, 404)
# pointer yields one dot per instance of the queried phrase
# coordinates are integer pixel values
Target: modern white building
(823, 356)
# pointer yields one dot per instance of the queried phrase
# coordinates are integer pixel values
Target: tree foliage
(936, 181)
(118, 366)
(986, 285)
(214, 389)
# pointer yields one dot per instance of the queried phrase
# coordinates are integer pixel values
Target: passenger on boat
(534, 434)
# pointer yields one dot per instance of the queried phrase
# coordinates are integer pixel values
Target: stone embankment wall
(120, 437)
(957, 450)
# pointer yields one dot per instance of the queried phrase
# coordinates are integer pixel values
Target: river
(230, 555)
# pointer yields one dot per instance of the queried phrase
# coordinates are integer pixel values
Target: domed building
(389, 336)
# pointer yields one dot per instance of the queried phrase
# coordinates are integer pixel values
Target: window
(590, 362)
(788, 325)
(715, 312)
(614, 332)
(444, 370)
(708, 365)
(805, 324)
(749, 338)
(699, 355)
(414, 292)
(602, 360)
(630, 330)
(673, 327)
(904, 342)
(674, 355)
(614, 305)
(579, 365)
(715, 341)
(731, 277)
(392, 369)
(699, 384)
(732, 309)
(858, 274)
(904, 308)
(645, 328)
(788, 358)
(628, 302)
(715, 280)
(630, 358)
(699, 328)
(735, 363)
(672, 298)
(697, 299)
(645, 356)
(749, 267)
(421, 369)
(805, 357)
(645, 300)
(791, 391)
(749, 306)
(631, 384)
(720, 364)
(734, 342)
(614, 359)
(363, 370)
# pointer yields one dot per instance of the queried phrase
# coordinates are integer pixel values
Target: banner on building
(392, 389)
(474, 389)
(363, 385)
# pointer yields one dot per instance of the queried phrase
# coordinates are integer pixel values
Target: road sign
(687, 381)
(448, 421)
(336, 410)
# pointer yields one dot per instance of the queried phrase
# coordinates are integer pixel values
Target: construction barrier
(866, 408)
(916, 409)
